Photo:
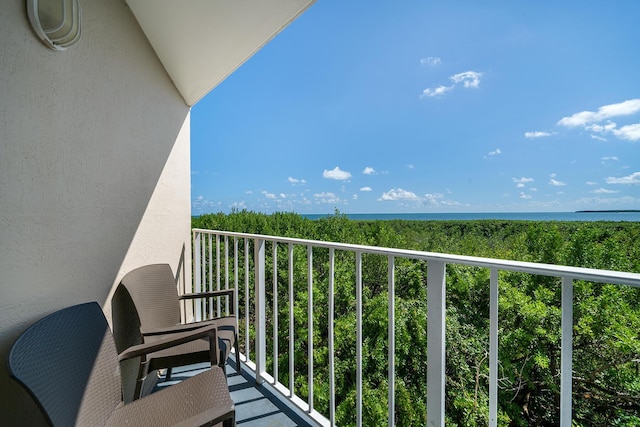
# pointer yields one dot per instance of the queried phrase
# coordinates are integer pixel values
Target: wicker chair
(146, 307)
(68, 363)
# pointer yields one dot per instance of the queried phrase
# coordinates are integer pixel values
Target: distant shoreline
(620, 215)
(610, 211)
(581, 216)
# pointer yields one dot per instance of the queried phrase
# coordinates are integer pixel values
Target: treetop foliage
(606, 331)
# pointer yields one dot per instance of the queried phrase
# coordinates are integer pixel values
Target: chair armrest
(209, 294)
(174, 340)
(174, 329)
(212, 294)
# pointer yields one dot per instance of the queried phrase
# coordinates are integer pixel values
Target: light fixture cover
(56, 22)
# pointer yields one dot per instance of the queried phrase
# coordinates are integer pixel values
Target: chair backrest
(68, 363)
(153, 291)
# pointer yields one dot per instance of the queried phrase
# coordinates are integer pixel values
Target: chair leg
(142, 375)
(230, 422)
(238, 367)
(222, 362)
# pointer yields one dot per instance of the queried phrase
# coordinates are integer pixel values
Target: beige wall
(94, 171)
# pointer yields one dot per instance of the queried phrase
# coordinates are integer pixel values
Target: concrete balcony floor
(256, 405)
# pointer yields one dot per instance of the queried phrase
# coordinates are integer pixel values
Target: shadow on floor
(256, 405)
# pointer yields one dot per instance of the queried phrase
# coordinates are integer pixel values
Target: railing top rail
(578, 273)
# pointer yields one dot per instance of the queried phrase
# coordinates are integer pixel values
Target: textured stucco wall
(94, 171)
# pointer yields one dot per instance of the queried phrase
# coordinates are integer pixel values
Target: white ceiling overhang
(201, 42)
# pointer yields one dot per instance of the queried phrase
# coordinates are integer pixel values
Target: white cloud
(600, 128)
(525, 196)
(556, 183)
(624, 108)
(624, 202)
(591, 121)
(521, 182)
(468, 78)
(326, 197)
(494, 153)
(609, 158)
(433, 199)
(438, 200)
(583, 118)
(366, 189)
(336, 173)
(296, 181)
(238, 205)
(537, 134)
(603, 191)
(629, 132)
(440, 90)
(634, 178)
(410, 166)
(432, 61)
(354, 197)
(398, 194)
(283, 196)
(591, 183)
(578, 119)
(369, 171)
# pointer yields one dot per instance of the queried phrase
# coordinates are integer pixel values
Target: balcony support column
(436, 311)
(260, 308)
(493, 348)
(359, 339)
(566, 370)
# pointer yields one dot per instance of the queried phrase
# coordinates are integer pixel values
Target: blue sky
(429, 106)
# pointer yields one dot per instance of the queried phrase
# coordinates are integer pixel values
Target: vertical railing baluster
(206, 263)
(275, 312)
(332, 373)
(260, 304)
(210, 264)
(226, 274)
(247, 343)
(197, 268)
(493, 348)
(310, 321)
(566, 370)
(291, 330)
(436, 311)
(359, 339)
(235, 297)
(203, 285)
(392, 338)
(218, 271)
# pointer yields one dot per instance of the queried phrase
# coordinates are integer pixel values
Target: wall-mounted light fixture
(56, 22)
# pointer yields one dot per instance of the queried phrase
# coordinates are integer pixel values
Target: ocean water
(522, 216)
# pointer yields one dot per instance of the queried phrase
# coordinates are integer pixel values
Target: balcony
(261, 269)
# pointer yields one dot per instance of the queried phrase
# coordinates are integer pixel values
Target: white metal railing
(205, 263)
